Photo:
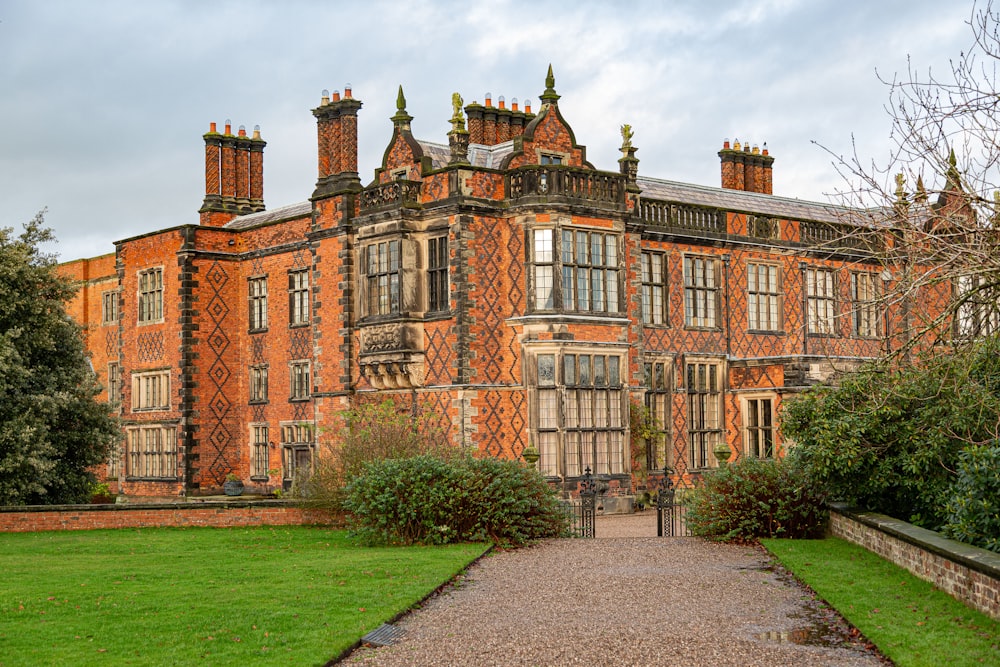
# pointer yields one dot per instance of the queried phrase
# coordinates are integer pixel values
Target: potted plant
(233, 485)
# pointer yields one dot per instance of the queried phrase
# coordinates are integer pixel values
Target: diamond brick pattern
(222, 455)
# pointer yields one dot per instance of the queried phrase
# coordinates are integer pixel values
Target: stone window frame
(258, 383)
(259, 451)
(110, 311)
(865, 319)
(151, 390)
(821, 300)
(658, 396)
(115, 385)
(978, 312)
(759, 424)
(298, 298)
(296, 437)
(151, 451)
(257, 303)
(654, 286)
(706, 419)
(548, 157)
(299, 379)
(554, 399)
(382, 272)
(767, 301)
(149, 295)
(554, 263)
(702, 291)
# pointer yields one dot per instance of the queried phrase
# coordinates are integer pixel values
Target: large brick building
(497, 280)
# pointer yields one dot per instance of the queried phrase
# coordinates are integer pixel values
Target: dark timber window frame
(299, 387)
(576, 270)
(702, 288)
(258, 384)
(654, 288)
(298, 297)
(759, 427)
(579, 420)
(257, 303)
(765, 299)
(706, 422)
(259, 459)
(109, 307)
(150, 296)
(658, 383)
(151, 451)
(865, 318)
(383, 278)
(437, 274)
(821, 301)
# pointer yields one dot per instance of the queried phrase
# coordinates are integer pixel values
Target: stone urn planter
(233, 486)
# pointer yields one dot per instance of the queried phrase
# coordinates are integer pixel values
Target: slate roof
(738, 200)
(480, 155)
(289, 212)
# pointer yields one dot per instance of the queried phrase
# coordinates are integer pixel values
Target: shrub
(757, 498)
(372, 432)
(974, 508)
(888, 439)
(430, 500)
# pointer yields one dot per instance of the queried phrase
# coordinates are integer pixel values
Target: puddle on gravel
(817, 623)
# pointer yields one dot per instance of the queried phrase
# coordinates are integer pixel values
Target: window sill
(259, 330)
(142, 323)
(822, 335)
(298, 399)
(766, 332)
(298, 325)
(152, 479)
(156, 409)
(258, 401)
(688, 327)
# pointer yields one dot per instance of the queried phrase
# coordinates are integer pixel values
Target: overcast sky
(103, 104)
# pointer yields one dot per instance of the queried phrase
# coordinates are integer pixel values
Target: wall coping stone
(179, 505)
(975, 558)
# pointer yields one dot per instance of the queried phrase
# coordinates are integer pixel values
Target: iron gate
(581, 515)
(671, 516)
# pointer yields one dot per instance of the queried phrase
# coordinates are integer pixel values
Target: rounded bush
(425, 499)
(757, 498)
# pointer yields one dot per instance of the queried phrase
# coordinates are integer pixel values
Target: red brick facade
(521, 295)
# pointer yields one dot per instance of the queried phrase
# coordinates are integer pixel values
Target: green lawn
(910, 621)
(257, 596)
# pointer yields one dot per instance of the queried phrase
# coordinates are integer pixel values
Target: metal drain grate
(384, 635)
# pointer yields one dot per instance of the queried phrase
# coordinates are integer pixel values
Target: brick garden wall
(213, 514)
(968, 573)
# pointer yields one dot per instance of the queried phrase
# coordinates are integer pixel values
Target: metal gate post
(588, 505)
(665, 505)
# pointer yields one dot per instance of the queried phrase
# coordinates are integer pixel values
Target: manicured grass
(258, 596)
(910, 621)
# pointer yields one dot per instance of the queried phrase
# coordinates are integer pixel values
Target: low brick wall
(966, 572)
(207, 513)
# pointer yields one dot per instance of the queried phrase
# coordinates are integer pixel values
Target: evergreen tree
(52, 426)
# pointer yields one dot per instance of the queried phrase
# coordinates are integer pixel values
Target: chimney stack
(746, 168)
(234, 174)
(337, 143)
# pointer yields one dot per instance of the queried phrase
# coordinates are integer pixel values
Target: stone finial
(401, 119)
(954, 178)
(900, 190)
(921, 194)
(550, 96)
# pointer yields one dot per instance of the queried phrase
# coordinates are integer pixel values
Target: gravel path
(624, 600)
